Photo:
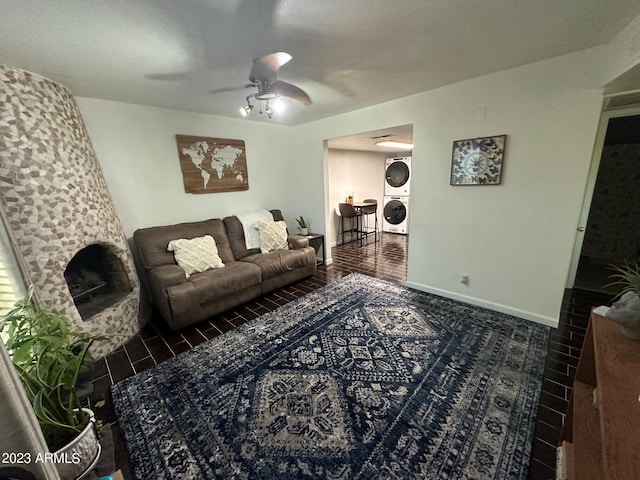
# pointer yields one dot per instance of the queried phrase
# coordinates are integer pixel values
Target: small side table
(316, 240)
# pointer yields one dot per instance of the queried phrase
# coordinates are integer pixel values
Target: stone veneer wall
(55, 199)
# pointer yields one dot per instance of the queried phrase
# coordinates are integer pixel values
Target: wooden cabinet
(601, 433)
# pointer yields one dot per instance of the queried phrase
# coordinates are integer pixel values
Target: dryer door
(397, 174)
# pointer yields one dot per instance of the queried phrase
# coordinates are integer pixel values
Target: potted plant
(303, 225)
(626, 309)
(628, 276)
(49, 358)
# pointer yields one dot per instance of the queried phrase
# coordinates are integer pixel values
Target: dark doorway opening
(612, 235)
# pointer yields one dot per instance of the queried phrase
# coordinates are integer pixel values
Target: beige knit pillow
(196, 255)
(273, 236)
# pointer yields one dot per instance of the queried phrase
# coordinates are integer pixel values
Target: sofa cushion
(152, 242)
(280, 261)
(273, 236)
(234, 277)
(196, 254)
(249, 223)
(211, 284)
(212, 291)
(236, 238)
(236, 235)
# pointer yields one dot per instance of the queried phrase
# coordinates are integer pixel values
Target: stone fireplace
(59, 213)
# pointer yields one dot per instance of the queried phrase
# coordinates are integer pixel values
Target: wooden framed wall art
(212, 165)
(478, 161)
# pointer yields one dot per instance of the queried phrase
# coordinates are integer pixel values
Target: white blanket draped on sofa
(249, 223)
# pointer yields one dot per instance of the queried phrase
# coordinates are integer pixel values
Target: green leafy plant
(628, 276)
(49, 358)
(302, 223)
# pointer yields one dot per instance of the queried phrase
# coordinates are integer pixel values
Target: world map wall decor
(212, 165)
(478, 161)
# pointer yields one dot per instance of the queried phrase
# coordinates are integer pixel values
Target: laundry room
(367, 167)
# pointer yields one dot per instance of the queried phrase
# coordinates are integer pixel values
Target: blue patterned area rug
(361, 379)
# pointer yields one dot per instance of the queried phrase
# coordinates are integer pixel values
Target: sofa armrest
(297, 242)
(160, 279)
(167, 275)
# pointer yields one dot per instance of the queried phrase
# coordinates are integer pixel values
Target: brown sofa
(247, 273)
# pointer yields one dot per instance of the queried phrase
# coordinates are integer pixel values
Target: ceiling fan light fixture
(264, 77)
(265, 96)
(394, 144)
(270, 106)
(278, 106)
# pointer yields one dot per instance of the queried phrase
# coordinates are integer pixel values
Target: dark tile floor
(565, 344)
(387, 260)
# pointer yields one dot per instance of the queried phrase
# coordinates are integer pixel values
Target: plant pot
(79, 456)
(304, 231)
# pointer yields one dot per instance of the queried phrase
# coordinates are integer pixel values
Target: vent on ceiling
(625, 100)
(382, 136)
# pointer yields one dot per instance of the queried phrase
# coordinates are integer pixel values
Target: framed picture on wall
(211, 165)
(478, 161)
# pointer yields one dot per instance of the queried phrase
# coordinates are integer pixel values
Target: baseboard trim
(498, 307)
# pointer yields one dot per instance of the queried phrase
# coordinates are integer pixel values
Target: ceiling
(366, 141)
(347, 54)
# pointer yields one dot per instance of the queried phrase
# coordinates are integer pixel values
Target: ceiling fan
(264, 77)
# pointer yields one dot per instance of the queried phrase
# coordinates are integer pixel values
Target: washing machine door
(395, 212)
(397, 174)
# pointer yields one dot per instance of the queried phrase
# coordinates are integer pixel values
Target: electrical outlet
(464, 279)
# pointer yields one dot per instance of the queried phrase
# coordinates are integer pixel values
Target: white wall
(353, 172)
(513, 240)
(136, 148)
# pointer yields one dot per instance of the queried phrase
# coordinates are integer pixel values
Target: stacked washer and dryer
(397, 180)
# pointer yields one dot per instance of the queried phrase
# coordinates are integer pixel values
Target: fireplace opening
(96, 279)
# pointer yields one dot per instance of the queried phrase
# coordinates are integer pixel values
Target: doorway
(356, 168)
(612, 228)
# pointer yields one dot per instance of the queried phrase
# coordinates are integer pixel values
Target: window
(11, 284)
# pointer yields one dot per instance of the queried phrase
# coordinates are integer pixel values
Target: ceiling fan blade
(176, 76)
(288, 90)
(227, 89)
(266, 68)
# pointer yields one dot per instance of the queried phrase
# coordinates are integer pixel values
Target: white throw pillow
(196, 255)
(273, 236)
